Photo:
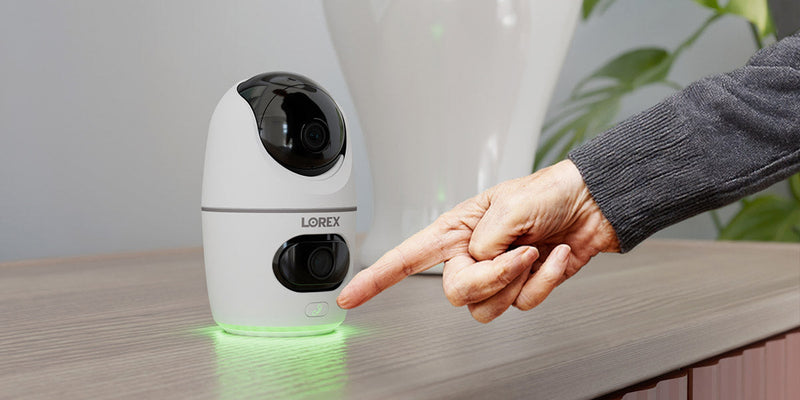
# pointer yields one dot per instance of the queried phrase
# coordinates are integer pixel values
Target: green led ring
(310, 330)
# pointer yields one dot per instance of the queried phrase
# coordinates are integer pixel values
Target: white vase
(450, 95)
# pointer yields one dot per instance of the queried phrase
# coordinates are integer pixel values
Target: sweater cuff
(632, 172)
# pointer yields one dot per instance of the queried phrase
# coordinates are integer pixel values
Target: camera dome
(298, 122)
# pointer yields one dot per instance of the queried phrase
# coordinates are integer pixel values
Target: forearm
(720, 139)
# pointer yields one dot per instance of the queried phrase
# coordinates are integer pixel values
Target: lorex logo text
(319, 222)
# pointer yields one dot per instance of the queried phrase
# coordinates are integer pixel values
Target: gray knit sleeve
(720, 139)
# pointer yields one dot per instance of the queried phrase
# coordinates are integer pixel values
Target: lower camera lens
(314, 136)
(320, 263)
(312, 263)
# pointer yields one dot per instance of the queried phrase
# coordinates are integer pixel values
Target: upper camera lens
(314, 136)
(320, 263)
(299, 124)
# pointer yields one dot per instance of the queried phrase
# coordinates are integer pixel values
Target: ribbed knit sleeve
(720, 139)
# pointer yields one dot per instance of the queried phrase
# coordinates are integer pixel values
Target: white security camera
(278, 208)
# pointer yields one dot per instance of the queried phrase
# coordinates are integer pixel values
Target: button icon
(317, 309)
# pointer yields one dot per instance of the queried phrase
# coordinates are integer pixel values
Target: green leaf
(634, 68)
(590, 6)
(562, 115)
(794, 186)
(657, 73)
(755, 11)
(601, 114)
(712, 4)
(765, 218)
(696, 34)
(577, 138)
(604, 91)
(594, 118)
(553, 140)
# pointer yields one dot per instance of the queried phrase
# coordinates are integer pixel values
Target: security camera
(278, 208)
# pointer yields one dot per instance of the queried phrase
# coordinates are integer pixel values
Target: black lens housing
(315, 136)
(299, 124)
(312, 263)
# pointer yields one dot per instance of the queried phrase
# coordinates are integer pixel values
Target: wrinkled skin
(510, 245)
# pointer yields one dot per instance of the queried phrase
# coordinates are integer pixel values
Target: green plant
(595, 102)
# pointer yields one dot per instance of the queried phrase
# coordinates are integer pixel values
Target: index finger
(421, 251)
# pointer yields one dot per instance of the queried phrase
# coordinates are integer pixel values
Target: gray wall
(104, 105)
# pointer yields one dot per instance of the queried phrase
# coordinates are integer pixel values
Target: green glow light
(437, 31)
(281, 367)
(279, 330)
(441, 194)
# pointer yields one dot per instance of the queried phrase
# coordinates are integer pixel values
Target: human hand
(493, 244)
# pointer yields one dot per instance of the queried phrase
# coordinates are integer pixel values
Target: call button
(319, 309)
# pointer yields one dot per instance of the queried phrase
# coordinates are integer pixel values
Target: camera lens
(299, 124)
(312, 263)
(320, 263)
(314, 136)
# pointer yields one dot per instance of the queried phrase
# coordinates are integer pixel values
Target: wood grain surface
(139, 326)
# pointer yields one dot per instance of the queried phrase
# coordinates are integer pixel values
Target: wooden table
(139, 326)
